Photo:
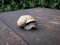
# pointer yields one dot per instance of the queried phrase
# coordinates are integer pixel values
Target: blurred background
(12, 5)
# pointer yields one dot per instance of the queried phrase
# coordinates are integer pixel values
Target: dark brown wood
(48, 31)
(8, 37)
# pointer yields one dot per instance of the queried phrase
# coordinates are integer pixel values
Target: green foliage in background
(9, 5)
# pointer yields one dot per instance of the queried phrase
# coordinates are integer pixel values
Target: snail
(27, 22)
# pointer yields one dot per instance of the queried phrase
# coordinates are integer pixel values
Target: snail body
(26, 19)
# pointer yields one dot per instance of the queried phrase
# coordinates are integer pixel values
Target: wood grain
(48, 31)
(8, 37)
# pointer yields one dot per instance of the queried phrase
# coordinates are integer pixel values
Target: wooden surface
(47, 33)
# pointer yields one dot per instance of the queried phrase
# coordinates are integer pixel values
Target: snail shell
(24, 19)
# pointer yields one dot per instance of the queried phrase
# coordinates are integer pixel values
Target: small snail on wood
(27, 22)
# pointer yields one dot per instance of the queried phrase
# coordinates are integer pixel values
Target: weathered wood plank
(48, 32)
(8, 37)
